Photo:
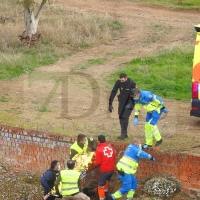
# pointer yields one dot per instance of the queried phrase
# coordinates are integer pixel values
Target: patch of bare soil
(67, 99)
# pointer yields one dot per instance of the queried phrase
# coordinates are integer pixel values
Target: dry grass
(76, 29)
(58, 26)
(63, 32)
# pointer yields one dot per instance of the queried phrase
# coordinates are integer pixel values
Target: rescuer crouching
(71, 183)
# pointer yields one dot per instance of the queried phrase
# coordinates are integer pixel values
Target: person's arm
(56, 183)
(157, 100)
(133, 84)
(92, 143)
(114, 92)
(97, 158)
(137, 108)
(73, 153)
(46, 177)
(142, 154)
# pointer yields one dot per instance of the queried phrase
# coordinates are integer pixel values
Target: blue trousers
(153, 117)
(129, 185)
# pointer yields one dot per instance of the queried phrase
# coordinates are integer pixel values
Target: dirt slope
(78, 102)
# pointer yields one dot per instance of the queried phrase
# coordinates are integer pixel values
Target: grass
(167, 74)
(180, 4)
(156, 30)
(22, 59)
(3, 99)
(74, 31)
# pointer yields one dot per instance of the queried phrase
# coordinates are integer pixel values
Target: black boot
(88, 192)
(121, 137)
(158, 142)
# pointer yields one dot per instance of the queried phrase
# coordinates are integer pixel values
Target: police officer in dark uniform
(126, 104)
(49, 177)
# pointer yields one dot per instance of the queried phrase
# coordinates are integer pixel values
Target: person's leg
(108, 176)
(147, 130)
(68, 198)
(133, 187)
(148, 134)
(81, 196)
(155, 132)
(101, 186)
(124, 119)
(126, 186)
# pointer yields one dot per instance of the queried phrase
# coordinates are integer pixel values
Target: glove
(110, 108)
(58, 195)
(120, 172)
(135, 121)
(153, 159)
(145, 146)
(165, 110)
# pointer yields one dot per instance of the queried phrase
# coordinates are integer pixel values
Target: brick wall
(26, 150)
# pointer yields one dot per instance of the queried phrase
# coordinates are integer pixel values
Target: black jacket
(48, 179)
(124, 96)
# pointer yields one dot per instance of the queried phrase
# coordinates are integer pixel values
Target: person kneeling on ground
(71, 182)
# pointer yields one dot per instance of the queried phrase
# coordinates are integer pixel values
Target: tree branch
(40, 10)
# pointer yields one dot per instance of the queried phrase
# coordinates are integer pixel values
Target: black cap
(101, 138)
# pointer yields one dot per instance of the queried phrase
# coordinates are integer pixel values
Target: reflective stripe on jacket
(129, 162)
(69, 179)
(77, 148)
(150, 102)
(128, 165)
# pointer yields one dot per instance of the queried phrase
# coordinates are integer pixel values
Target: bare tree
(31, 20)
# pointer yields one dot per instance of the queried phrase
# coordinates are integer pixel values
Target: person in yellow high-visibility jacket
(154, 106)
(80, 146)
(70, 180)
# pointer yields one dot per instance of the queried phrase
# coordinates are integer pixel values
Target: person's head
(55, 165)
(81, 138)
(123, 77)
(135, 93)
(136, 142)
(101, 138)
(71, 164)
(23, 198)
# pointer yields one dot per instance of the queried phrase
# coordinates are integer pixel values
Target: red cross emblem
(108, 151)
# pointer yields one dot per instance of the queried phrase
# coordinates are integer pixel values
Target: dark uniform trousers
(124, 120)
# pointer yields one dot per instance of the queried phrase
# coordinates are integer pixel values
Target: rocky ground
(16, 184)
